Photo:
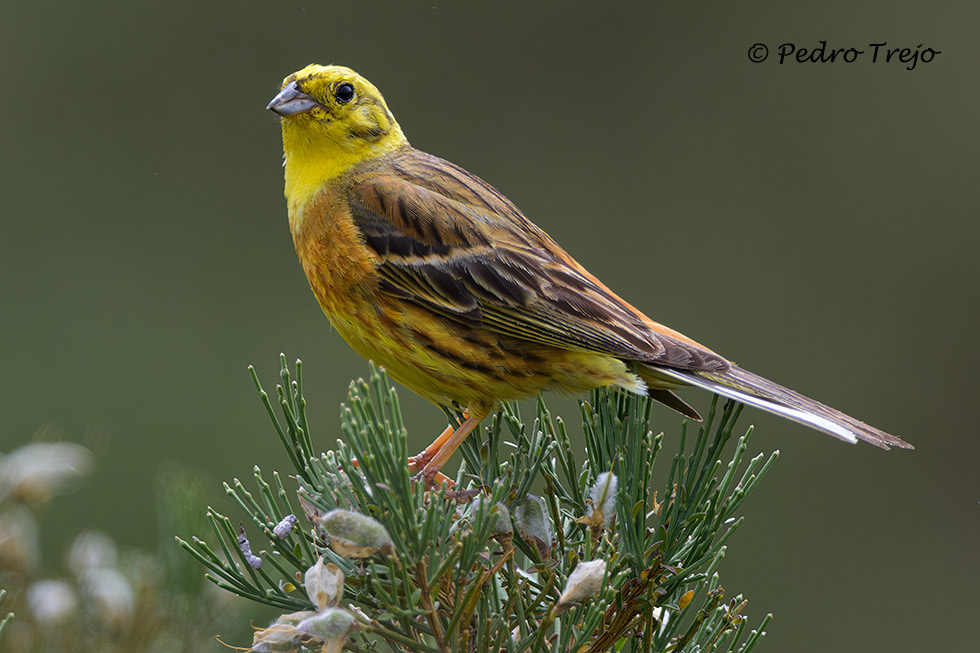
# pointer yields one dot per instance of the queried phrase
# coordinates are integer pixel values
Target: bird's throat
(312, 162)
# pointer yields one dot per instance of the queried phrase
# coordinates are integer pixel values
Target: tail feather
(669, 399)
(754, 390)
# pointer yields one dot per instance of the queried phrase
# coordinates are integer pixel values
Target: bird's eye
(344, 92)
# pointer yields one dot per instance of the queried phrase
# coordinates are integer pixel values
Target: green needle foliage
(5, 620)
(529, 551)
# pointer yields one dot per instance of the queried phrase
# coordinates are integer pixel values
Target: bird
(433, 274)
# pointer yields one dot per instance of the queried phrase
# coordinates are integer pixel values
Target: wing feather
(450, 243)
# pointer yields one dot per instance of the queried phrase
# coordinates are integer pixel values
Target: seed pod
(354, 535)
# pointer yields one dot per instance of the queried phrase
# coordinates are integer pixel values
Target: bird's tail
(754, 390)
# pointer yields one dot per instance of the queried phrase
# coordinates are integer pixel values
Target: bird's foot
(434, 479)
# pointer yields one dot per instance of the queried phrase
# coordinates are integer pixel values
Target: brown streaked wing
(457, 247)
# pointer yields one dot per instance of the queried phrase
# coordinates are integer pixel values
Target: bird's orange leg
(439, 479)
(422, 458)
(436, 454)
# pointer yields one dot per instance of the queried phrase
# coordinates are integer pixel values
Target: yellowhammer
(432, 273)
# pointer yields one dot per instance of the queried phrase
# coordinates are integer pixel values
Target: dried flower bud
(277, 637)
(355, 535)
(36, 472)
(602, 498)
(91, 551)
(20, 548)
(51, 601)
(111, 593)
(312, 512)
(685, 599)
(285, 527)
(584, 582)
(293, 618)
(253, 560)
(531, 518)
(324, 584)
(282, 635)
(498, 512)
(331, 625)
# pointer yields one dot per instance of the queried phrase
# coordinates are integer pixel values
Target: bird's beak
(291, 101)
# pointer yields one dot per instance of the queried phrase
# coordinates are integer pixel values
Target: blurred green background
(816, 222)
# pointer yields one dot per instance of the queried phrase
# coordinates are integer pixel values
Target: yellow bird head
(332, 119)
